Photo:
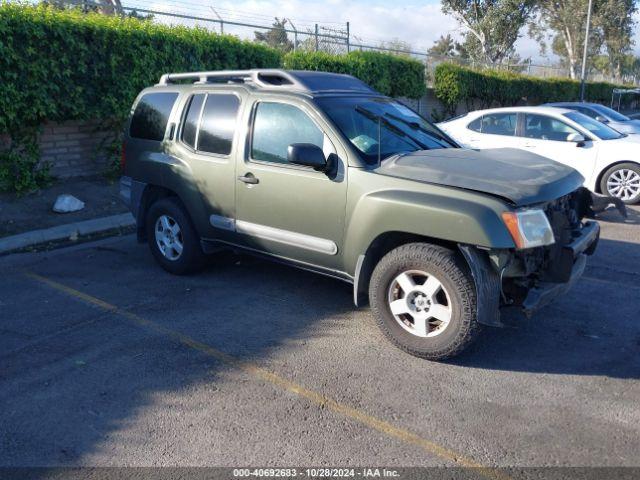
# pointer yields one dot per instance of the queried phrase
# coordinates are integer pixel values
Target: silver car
(615, 120)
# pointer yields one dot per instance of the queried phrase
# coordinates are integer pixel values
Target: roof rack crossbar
(258, 77)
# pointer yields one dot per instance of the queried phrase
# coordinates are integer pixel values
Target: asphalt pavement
(106, 360)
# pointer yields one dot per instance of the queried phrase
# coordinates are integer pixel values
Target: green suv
(321, 172)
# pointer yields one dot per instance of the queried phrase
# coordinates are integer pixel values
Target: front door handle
(249, 178)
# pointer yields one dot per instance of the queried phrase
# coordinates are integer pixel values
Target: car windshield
(599, 129)
(365, 120)
(611, 113)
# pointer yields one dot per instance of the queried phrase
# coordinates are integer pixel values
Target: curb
(65, 232)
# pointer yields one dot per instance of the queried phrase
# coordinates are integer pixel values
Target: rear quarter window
(150, 118)
(476, 125)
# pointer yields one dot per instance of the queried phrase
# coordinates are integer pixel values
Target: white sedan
(607, 159)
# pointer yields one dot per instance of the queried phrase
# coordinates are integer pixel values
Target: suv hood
(521, 177)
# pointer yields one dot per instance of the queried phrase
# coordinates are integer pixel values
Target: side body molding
(300, 240)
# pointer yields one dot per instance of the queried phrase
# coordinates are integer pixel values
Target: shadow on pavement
(592, 330)
(612, 215)
(73, 376)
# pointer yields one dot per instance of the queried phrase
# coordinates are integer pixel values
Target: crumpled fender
(488, 286)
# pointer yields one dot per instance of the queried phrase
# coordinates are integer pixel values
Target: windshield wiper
(417, 126)
(395, 129)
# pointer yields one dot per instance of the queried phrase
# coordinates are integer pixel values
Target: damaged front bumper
(564, 268)
(572, 262)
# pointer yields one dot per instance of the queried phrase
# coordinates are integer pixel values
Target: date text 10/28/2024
(316, 472)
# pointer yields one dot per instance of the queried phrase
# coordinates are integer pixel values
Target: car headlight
(529, 228)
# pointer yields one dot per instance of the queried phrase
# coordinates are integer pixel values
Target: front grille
(562, 214)
(565, 217)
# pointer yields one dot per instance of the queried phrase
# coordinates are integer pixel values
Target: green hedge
(66, 65)
(454, 84)
(63, 64)
(389, 74)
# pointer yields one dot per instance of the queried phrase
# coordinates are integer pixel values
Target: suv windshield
(600, 130)
(365, 120)
(611, 113)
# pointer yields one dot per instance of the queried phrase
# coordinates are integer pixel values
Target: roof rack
(274, 79)
(265, 78)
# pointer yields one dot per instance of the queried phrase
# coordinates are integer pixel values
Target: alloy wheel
(624, 184)
(169, 237)
(419, 303)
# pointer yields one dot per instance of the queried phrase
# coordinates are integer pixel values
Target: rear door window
(150, 118)
(218, 124)
(191, 119)
(496, 124)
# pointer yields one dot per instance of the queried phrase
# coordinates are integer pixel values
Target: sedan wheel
(622, 181)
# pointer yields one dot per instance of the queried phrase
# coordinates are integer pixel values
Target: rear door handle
(249, 178)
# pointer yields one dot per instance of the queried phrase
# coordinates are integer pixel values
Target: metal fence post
(348, 40)
(317, 45)
(219, 19)
(295, 35)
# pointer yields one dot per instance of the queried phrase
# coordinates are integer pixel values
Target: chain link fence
(334, 38)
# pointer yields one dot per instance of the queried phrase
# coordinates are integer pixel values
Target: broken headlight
(528, 228)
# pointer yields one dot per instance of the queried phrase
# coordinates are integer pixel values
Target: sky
(419, 23)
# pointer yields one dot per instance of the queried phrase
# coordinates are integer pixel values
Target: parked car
(319, 171)
(608, 160)
(603, 114)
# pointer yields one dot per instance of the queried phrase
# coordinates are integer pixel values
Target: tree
(563, 22)
(493, 26)
(615, 18)
(629, 67)
(443, 47)
(397, 47)
(110, 7)
(140, 16)
(276, 36)
(106, 7)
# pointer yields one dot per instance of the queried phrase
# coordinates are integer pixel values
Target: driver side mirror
(577, 138)
(307, 154)
(602, 119)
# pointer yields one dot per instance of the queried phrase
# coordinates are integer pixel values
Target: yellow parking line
(256, 371)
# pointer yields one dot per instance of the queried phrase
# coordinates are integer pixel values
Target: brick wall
(73, 149)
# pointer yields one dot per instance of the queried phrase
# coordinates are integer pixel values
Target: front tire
(424, 300)
(173, 240)
(622, 181)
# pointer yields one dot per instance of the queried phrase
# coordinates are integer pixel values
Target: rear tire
(622, 181)
(173, 240)
(424, 300)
